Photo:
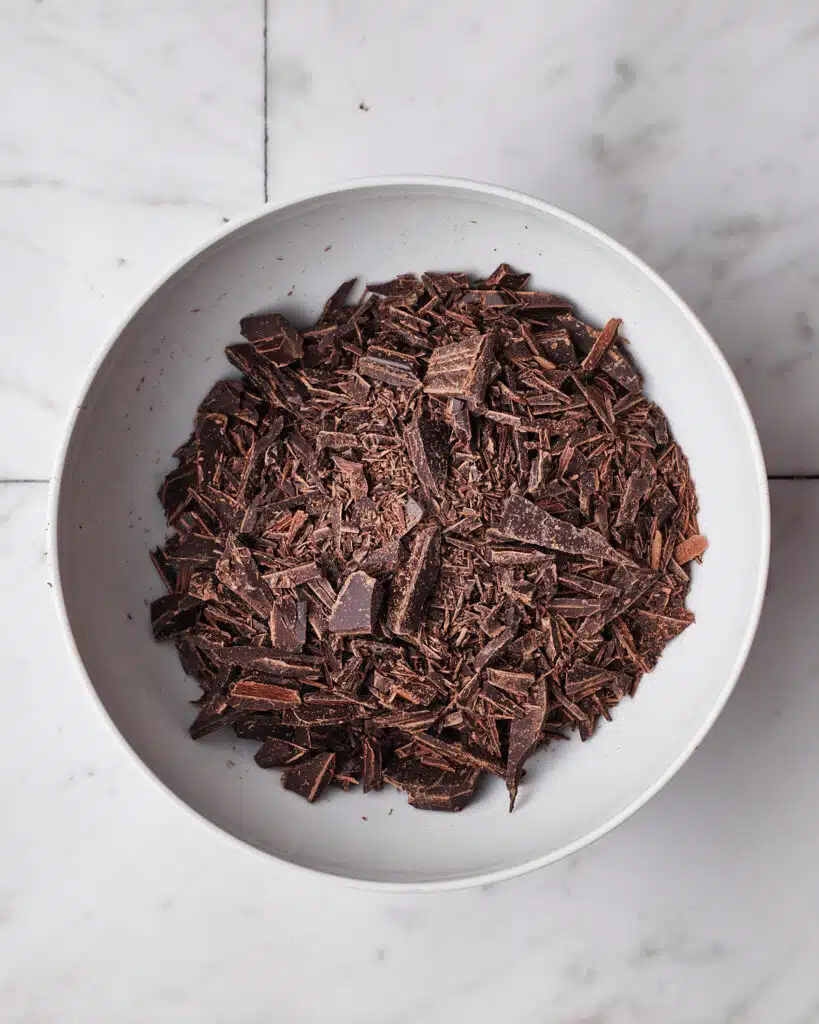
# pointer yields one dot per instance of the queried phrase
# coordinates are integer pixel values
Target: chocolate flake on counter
(387, 450)
(310, 778)
(356, 607)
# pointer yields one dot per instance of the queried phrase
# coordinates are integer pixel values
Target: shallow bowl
(139, 405)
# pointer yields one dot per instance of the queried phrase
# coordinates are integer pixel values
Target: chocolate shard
(506, 278)
(517, 683)
(462, 370)
(273, 337)
(238, 571)
(524, 736)
(278, 753)
(428, 442)
(414, 581)
(173, 614)
(389, 367)
(263, 659)
(316, 714)
(537, 301)
(516, 557)
(525, 522)
(692, 547)
(355, 611)
(295, 576)
(582, 680)
(638, 487)
(458, 754)
(432, 788)
(605, 339)
(310, 778)
(557, 346)
(372, 770)
(288, 624)
(251, 695)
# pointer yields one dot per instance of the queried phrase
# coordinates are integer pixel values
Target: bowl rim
(540, 206)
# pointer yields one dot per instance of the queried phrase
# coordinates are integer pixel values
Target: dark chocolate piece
(414, 582)
(278, 753)
(356, 607)
(462, 370)
(310, 778)
(525, 522)
(428, 443)
(288, 624)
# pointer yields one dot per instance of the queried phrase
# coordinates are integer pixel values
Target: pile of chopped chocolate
(438, 529)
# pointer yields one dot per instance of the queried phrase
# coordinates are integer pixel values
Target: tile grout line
(266, 15)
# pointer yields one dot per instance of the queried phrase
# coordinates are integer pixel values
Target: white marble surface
(130, 130)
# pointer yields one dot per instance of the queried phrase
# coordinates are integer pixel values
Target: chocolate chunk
(602, 344)
(273, 337)
(356, 608)
(310, 778)
(504, 277)
(462, 370)
(414, 582)
(288, 624)
(428, 444)
(295, 576)
(263, 659)
(431, 788)
(278, 753)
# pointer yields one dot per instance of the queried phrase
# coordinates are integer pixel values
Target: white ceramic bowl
(139, 405)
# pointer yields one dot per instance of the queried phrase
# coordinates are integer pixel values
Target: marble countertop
(130, 132)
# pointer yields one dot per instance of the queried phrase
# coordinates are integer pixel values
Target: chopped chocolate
(372, 770)
(310, 778)
(356, 608)
(389, 367)
(478, 455)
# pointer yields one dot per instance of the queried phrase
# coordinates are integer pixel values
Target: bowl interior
(140, 406)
